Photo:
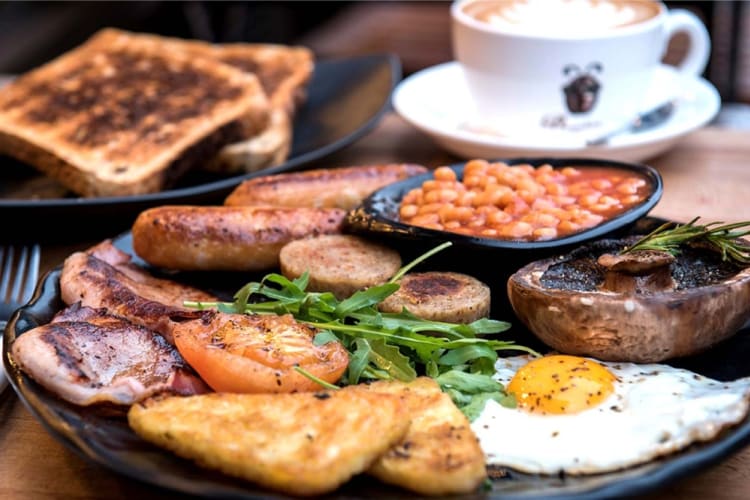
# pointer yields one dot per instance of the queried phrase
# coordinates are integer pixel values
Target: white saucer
(436, 101)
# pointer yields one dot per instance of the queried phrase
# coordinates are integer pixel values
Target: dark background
(417, 31)
(34, 32)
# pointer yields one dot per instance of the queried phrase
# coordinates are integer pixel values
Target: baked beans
(520, 202)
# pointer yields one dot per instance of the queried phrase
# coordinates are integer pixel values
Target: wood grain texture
(705, 174)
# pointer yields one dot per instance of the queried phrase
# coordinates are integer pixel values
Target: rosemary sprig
(723, 238)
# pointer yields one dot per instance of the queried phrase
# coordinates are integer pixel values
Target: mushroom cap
(626, 326)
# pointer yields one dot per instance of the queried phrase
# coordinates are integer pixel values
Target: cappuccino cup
(572, 64)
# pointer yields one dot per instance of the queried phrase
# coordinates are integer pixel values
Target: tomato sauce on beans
(520, 202)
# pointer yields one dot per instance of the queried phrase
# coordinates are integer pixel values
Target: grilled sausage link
(198, 238)
(323, 188)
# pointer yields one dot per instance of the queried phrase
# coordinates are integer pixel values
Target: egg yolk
(561, 384)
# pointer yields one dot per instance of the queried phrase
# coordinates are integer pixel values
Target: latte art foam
(555, 17)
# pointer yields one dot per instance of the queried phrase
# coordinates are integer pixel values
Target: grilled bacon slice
(87, 356)
(104, 277)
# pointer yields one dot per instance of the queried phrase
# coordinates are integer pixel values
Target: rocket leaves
(382, 346)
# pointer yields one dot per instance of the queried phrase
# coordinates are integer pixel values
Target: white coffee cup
(573, 63)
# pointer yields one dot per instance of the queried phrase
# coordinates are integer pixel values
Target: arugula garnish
(385, 346)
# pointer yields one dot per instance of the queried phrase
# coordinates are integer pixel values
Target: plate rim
(389, 59)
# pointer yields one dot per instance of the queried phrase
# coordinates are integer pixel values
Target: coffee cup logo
(582, 90)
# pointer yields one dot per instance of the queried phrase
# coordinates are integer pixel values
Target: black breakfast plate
(346, 98)
(105, 439)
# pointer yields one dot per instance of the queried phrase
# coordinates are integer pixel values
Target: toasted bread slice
(268, 148)
(284, 72)
(302, 443)
(119, 116)
(439, 455)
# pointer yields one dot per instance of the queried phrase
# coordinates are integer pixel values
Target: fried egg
(580, 416)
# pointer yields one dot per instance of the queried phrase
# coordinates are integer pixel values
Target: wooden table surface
(706, 174)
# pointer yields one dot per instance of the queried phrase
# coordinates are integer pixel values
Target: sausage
(322, 188)
(216, 238)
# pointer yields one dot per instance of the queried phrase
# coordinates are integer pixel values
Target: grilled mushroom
(642, 307)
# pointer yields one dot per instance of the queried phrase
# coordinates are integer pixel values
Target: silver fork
(19, 271)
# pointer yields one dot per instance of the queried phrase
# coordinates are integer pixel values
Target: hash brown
(439, 455)
(303, 443)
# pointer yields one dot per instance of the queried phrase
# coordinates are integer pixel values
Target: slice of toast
(269, 148)
(122, 116)
(284, 73)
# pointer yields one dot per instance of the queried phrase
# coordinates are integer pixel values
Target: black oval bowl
(489, 259)
(379, 212)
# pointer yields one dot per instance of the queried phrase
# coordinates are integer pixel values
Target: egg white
(654, 410)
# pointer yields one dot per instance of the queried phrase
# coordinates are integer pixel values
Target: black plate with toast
(346, 98)
(105, 438)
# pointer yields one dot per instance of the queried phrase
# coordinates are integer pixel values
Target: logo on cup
(582, 90)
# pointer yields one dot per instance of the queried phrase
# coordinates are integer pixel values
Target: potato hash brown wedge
(344, 187)
(439, 455)
(340, 263)
(257, 353)
(217, 238)
(300, 444)
(440, 296)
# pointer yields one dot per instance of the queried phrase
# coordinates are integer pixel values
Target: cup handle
(680, 20)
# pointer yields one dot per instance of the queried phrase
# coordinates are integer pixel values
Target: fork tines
(20, 271)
